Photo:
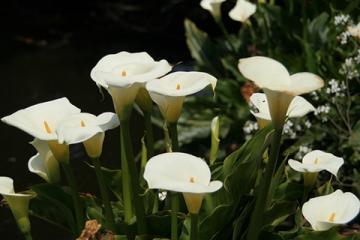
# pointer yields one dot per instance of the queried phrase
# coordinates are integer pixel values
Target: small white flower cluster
(348, 68)
(249, 128)
(336, 88)
(290, 130)
(341, 19)
(307, 123)
(345, 23)
(357, 57)
(162, 195)
(344, 37)
(303, 150)
(314, 95)
(321, 111)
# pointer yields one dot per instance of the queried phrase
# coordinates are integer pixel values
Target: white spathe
(18, 202)
(242, 11)
(354, 30)
(169, 92)
(124, 73)
(316, 161)
(279, 86)
(330, 210)
(213, 6)
(181, 172)
(44, 163)
(88, 129)
(298, 107)
(42, 119)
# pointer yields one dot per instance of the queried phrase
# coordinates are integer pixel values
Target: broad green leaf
(331, 234)
(202, 49)
(279, 212)
(53, 204)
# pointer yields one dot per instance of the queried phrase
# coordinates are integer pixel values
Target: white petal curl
(180, 172)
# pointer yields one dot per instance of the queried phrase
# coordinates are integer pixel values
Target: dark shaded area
(47, 51)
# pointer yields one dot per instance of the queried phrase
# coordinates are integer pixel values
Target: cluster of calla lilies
(137, 78)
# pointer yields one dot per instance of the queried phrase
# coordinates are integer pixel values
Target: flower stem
(262, 194)
(194, 226)
(226, 34)
(27, 236)
(172, 127)
(79, 214)
(128, 209)
(134, 176)
(149, 135)
(104, 195)
(174, 136)
(174, 198)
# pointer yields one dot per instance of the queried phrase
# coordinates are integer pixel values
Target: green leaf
(112, 179)
(202, 49)
(331, 234)
(238, 174)
(54, 205)
(279, 212)
(354, 139)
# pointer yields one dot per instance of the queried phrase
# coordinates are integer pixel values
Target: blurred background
(47, 51)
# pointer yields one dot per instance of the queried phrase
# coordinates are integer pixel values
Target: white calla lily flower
(259, 107)
(18, 202)
(213, 6)
(354, 30)
(316, 161)
(242, 11)
(169, 92)
(41, 121)
(44, 163)
(124, 73)
(88, 129)
(330, 210)
(280, 88)
(181, 172)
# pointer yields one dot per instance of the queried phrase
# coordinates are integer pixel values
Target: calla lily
(354, 31)
(44, 163)
(41, 120)
(213, 6)
(242, 11)
(169, 92)
(88, 129)
(316, 161)
(124, 73)
(280, 88)
(259, 107)
(181, 172)
(18, 202)
(330, 210)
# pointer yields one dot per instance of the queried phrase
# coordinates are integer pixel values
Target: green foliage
(53, 204)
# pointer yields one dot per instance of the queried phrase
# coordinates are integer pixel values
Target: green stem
(104, 195)
(174, 136)
(194, 226)
(134, 176)
(226, 34)
(261, 201)
(128, 209)
(27, 236)
(174, 198)
(172, 127)
(149, 135)
(79, 214)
